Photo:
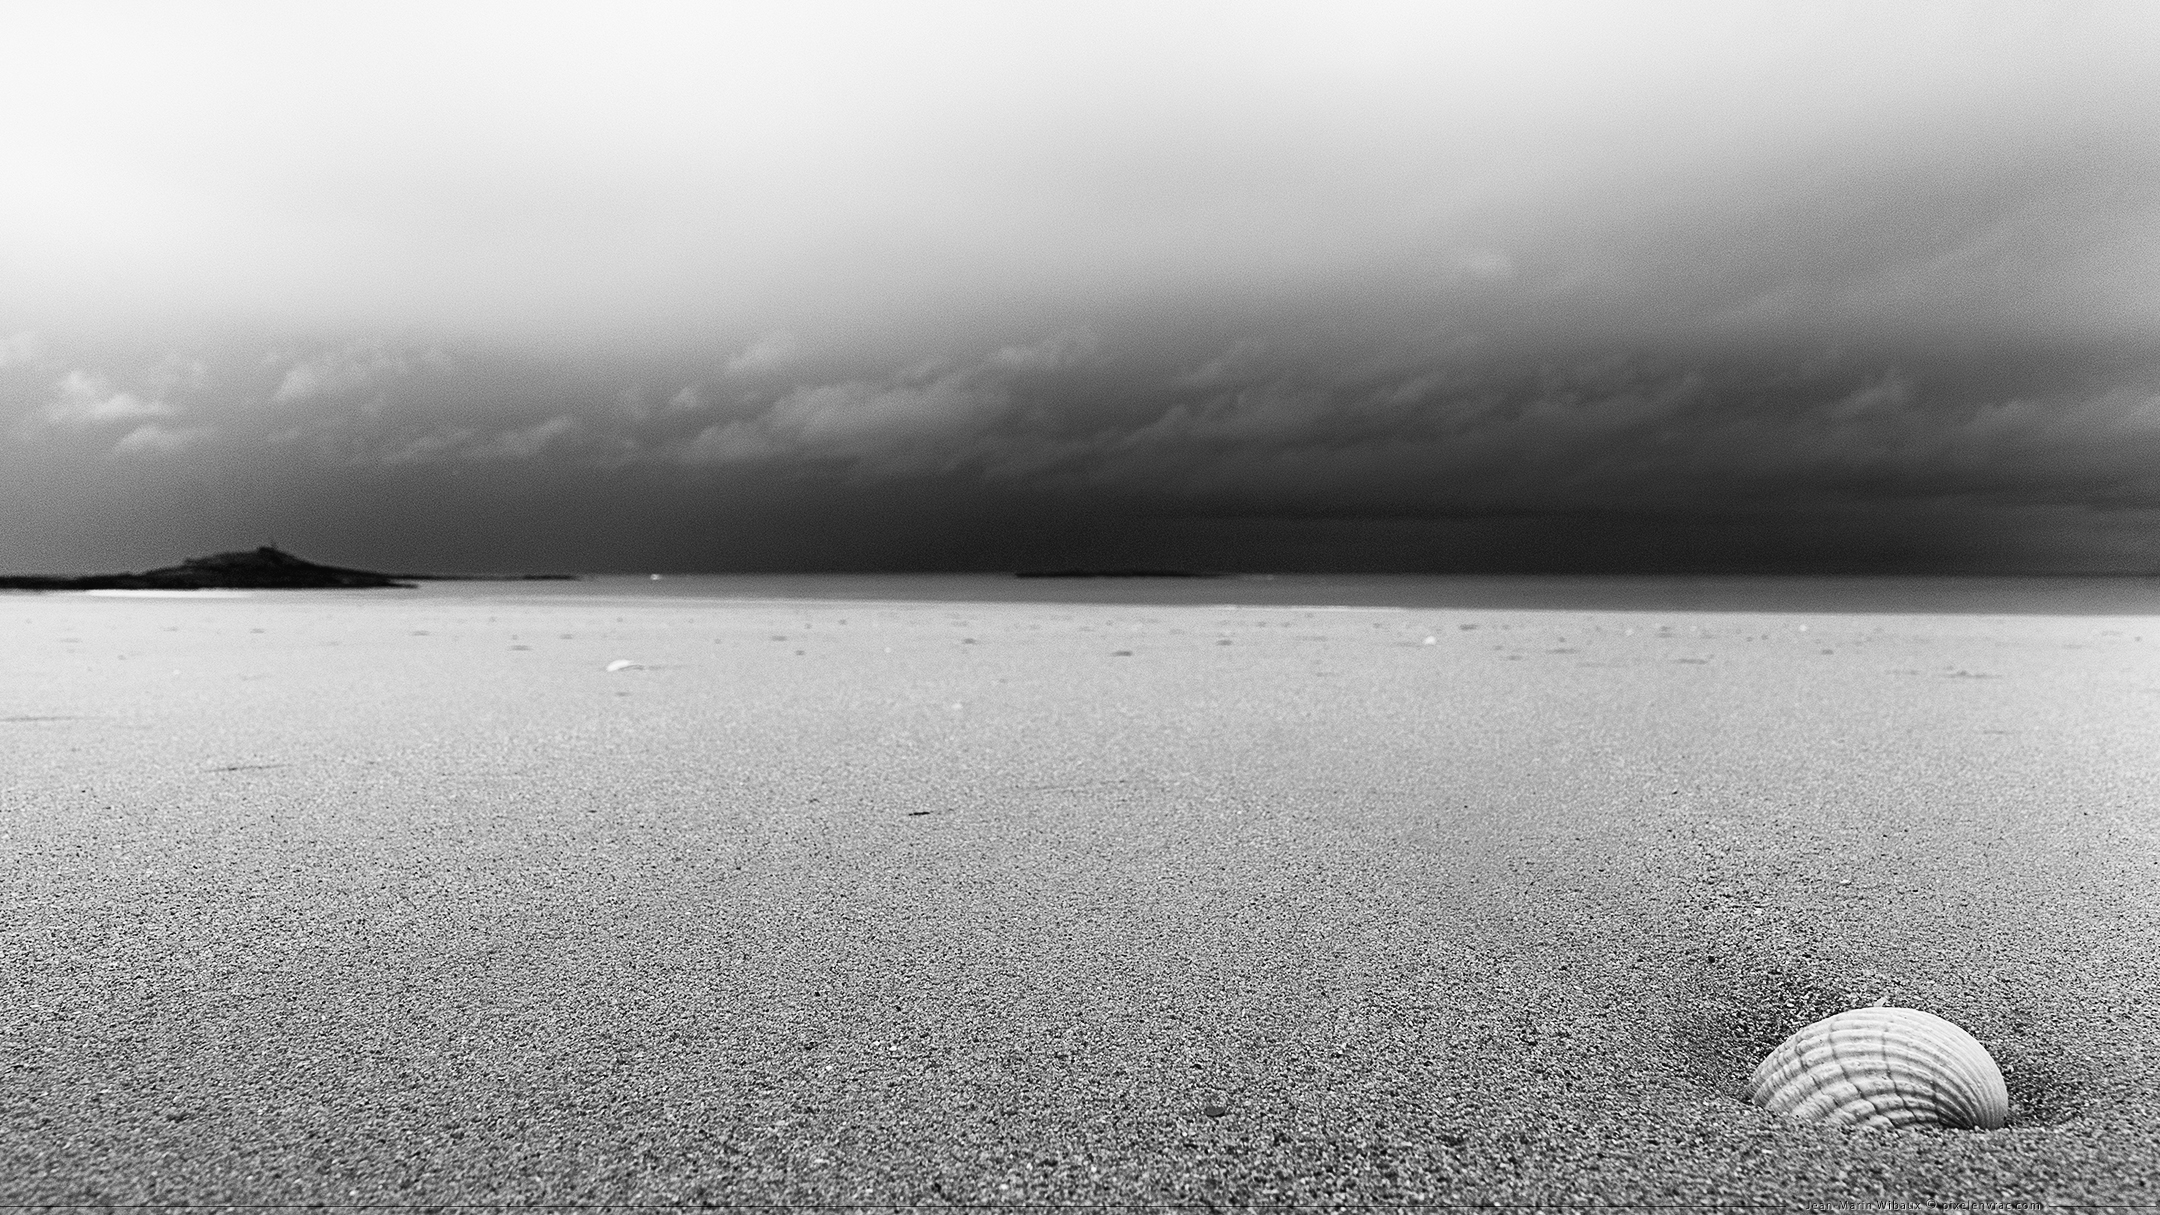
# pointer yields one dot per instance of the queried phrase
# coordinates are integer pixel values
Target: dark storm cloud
(1466, 436)
(2015, 452)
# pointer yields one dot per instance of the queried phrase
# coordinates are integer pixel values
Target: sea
(2125, 595)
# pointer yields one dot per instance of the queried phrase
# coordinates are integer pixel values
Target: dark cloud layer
(2012, 454)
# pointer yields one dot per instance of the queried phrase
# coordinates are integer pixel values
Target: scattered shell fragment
(620, 664)
(1883, 1067)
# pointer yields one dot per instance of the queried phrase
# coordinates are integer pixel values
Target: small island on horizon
(264, 568)
(1115, 573)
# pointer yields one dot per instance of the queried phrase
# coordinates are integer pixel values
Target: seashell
(1883, 1067)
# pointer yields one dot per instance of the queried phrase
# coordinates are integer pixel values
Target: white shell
(1883, 1067)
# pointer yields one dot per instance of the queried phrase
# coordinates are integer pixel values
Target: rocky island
(264, 568)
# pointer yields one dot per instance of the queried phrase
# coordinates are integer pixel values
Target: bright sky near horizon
(950, 285)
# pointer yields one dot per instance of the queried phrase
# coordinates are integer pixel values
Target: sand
(404, 897)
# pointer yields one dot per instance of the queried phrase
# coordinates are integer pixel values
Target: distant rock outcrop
(1116, 574)
(265, 568)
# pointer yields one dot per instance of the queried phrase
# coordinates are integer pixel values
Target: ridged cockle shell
(1883, 1067)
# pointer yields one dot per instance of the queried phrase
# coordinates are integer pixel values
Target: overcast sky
(937, 285)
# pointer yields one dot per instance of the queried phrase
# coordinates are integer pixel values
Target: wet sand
(404, 897)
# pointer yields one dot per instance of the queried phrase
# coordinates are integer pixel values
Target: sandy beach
(407, 898)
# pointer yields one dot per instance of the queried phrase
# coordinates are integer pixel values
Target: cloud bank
(2022, 455)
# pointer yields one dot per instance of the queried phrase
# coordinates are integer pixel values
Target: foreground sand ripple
(351, 899)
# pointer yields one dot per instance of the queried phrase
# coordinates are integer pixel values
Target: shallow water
(2101, 596)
